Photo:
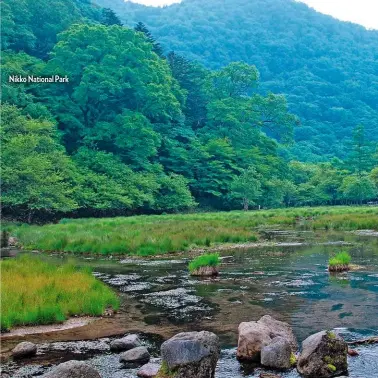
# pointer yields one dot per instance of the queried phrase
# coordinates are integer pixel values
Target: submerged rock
(190, 355)
(253, 336)
(72, 369)
(135, 357)
(126, 343)
(277, 354)
(324, 354)
(24, 349)
(149, 370)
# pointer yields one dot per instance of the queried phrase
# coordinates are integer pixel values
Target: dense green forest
(138, 129)
(327, 69)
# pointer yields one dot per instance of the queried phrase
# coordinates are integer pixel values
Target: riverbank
(160, 234)
(35, 291)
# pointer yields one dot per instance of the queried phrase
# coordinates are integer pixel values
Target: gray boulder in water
(72, 369)
(190, 355)
(277, 354)
(149, 370)
(135, 357)
(24, 349)
(126, 343)
(324, 355)
(253, 336)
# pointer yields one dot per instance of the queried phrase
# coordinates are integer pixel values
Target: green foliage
(38, 292)
(342, 258)
(324, 67)
(209, 259)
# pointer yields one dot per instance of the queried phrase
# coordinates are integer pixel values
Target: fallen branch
(369, 340)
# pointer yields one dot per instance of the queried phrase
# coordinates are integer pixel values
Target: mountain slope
(328, 69)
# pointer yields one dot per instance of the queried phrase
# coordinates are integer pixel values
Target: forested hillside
(134, 129)
(327, 69)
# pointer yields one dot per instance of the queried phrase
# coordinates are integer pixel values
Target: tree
(110, 69)
(247, 187)
(36, 172)
(358, 189)
(109, 18)
(141, 28)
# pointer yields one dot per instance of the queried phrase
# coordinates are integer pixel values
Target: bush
(210, 259)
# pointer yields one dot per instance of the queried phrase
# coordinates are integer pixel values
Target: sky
(364, 12)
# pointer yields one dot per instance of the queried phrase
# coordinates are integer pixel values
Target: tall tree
(140, 27)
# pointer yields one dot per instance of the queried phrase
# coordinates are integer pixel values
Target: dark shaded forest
(142, 129)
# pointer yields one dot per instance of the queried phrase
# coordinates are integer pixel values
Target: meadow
(146, 235)
(34, 291)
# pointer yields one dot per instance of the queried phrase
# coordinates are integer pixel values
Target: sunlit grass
(37, 292)
(157, 234)
(342, 258)
(209, 259)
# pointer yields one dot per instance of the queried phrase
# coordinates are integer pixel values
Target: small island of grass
(205, 265)
(340, 262)
(37, 292)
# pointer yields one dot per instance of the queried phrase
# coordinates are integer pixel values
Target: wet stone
(135, 357)
(149, 370)
(125, 343)
(24, 349)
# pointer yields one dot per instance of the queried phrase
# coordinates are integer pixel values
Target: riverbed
(289, 281)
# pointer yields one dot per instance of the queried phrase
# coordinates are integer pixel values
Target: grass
(34, 291)
(342, 258)
(209, 259)
(157, 234)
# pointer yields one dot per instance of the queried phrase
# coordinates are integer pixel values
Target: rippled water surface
(289, 282)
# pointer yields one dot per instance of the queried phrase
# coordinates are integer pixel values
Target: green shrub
(210, 259)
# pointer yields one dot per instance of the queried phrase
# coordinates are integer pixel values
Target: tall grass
(209, 259)
(342, 258)
(37, 292)
(157, 234)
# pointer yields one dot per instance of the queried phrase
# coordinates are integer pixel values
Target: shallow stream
(289, 281)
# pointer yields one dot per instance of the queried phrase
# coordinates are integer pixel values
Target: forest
(145, 125)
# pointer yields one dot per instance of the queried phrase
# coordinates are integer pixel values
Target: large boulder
(135, 357)
(149, 370)
(126, 343)
(72, 369)
(324, 354)
(190, 355)
(24, 349)
(253, 336)
(277, 354)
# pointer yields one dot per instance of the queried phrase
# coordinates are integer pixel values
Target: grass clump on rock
(205, 265)
(35, 292)
(340, 262)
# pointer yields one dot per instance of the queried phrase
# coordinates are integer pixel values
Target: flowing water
(289, 281)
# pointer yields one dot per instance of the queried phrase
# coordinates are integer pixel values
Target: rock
(12, 241)
(205, 271)
(269, 375)
(24, 349)
(253, 336)
(135, 357)
(324, 354)
(126, 343)
(352, 352)
(190, 355)
(277, 354)
(72, 369)
(149, 370)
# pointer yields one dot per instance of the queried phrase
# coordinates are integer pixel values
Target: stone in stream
(72, 369)
(190, 355)
(276, 354)
(126, 343)
(24, 349)
(135, 357)
(253, 336)
(149, 370)
(324, 355)
(208, 271)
